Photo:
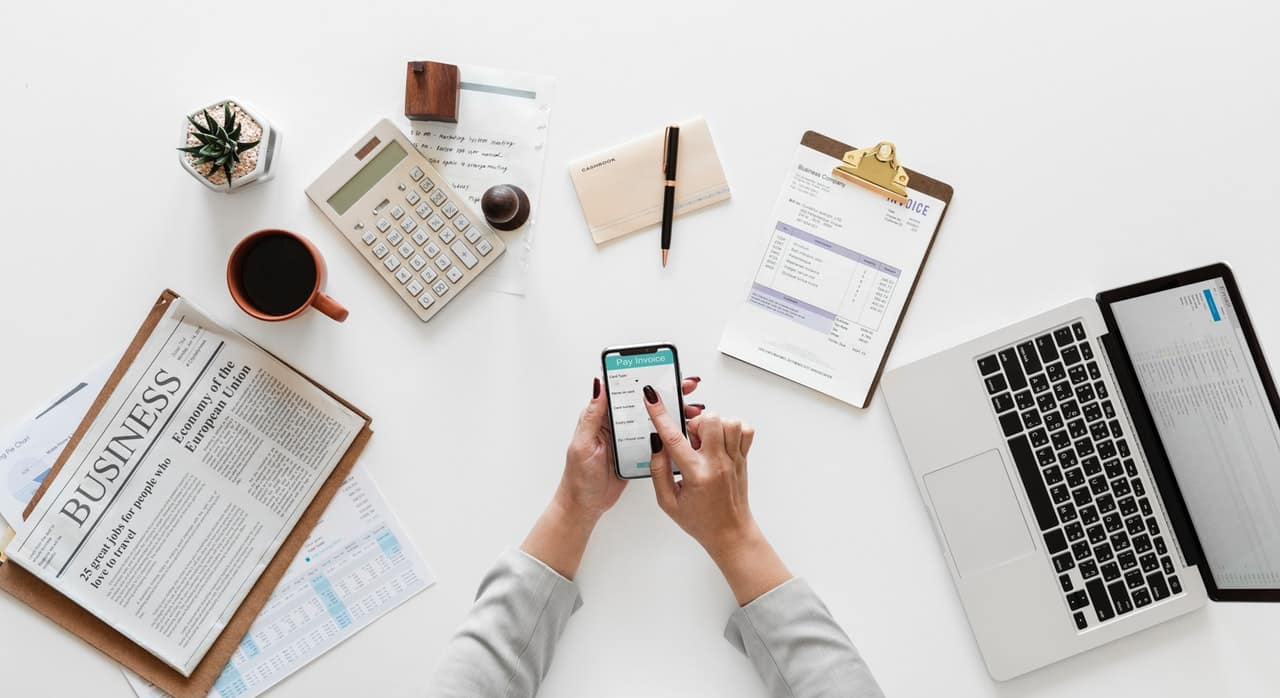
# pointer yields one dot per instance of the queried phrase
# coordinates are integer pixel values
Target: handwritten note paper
(477, 155)
(500, 138)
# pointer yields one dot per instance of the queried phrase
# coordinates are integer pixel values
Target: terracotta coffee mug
(274, 275)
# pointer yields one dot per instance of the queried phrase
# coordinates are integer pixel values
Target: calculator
(405, 219)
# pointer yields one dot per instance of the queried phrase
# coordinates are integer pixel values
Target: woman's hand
(710, 502)
(588, 486)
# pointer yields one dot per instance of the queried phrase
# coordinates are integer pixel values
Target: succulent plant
(219, 144)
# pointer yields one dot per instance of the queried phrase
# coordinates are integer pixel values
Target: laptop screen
(1216, 422)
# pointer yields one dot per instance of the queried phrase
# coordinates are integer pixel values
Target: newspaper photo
(192, 474)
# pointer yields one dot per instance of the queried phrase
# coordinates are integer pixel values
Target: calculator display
(367, 177)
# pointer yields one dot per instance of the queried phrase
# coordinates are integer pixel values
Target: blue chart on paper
(230, 684)
(389, 543)
(337, 610)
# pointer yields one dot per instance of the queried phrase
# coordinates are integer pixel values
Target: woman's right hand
(710, 502)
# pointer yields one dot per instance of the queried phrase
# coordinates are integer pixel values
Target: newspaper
(357, 565)
(183, 488)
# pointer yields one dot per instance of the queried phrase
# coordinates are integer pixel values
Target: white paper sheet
(500, 138)
(357, 565)
(29, 448)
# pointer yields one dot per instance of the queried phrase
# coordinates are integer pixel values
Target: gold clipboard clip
(876, 169)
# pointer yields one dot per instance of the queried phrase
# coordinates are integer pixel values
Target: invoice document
(827, 296)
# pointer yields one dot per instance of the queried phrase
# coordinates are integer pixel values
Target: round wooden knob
(505, 206)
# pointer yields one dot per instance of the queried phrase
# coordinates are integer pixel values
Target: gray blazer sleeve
(796, 646)
(504, 646)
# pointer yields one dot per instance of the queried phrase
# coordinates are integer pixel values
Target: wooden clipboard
(30, 590)
(918, 182)
(921, 183)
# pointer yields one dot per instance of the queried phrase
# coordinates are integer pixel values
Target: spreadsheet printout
(357, 565)
(833, 281)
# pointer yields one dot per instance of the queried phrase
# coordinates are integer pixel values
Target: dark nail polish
(695, 379)
(595, 388)
(699, 405)
(655, 442)
(651, 395)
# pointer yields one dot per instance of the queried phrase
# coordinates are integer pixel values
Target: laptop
(1100, 468)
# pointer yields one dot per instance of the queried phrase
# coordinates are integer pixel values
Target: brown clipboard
(28, 589)
(921, 183)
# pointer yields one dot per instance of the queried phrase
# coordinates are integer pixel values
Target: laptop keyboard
(1088, 497)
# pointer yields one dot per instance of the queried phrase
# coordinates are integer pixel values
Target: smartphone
(627, 370)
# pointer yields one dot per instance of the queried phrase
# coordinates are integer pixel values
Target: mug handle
(327, 305)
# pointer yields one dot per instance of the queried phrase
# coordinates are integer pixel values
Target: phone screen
(626, 372)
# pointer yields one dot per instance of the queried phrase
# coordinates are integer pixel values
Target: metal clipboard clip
(876, 169)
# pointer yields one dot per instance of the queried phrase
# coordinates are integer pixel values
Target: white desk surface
(1089, 146)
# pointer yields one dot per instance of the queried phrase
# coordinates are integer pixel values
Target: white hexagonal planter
(256, 164)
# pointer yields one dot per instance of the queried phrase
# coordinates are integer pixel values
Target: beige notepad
(620, 189)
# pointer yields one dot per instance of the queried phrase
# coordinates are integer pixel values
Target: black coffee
(278, 275)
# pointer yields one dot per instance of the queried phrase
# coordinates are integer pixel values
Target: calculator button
(391, 263)
(428, 275)
(483, 247)
(425, 300)
(454, 274)
(394, 237)
(381, 250)
(405, 250)
(408, 224)
(412, 197)
(449, 210)
(464, 254)
(383, 224)
(426, 184)
(397, 212)
(440, 287)
(368, 237)
(472, 235)
(403, 275)
(443, 262)
(432, 249)
(420, 237)
(436, 223)
(437, 197)
(423, 211)
(416, 173)
(414, 288)
(417, 262)
(448, 236)
(461, 223)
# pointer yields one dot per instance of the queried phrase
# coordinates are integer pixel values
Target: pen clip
(662, 157)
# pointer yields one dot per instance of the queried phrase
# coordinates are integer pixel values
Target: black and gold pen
(671, 144)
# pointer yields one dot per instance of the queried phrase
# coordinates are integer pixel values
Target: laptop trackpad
(981, 520)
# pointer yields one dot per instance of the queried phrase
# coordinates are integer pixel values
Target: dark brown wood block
(431, 91)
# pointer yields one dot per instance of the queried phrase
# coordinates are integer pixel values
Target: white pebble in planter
(225, 159)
